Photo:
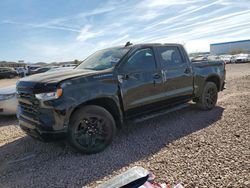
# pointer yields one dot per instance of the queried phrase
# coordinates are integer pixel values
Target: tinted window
(141, 60)
(170, 56)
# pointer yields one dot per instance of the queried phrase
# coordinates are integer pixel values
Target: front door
(140, 81)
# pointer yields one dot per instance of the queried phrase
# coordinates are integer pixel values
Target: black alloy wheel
(209, 96)
(92, 129)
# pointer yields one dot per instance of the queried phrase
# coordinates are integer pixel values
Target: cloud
(150, 15)
(44, 26)
(86, 34)
(160, 3)
(63, 23)
(194, 22)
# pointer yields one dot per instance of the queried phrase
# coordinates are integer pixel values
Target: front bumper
(35, 130)
(43, 120)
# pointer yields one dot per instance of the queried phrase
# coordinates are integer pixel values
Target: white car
(227, 58)
(8, 100)
(242, 58)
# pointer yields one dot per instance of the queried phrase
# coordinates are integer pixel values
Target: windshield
(103, 59)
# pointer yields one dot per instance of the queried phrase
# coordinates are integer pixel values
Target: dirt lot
(196, 148)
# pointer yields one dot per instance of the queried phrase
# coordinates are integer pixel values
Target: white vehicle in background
(199, 58)
(242, 58)
(8, 100)
(213, 57)
(31, 68)
(227, 58)
(21, 71)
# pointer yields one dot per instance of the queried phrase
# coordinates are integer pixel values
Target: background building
(234, 47)
(11, 64)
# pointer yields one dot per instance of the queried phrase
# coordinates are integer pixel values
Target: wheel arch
(215, 79)
(106, 102)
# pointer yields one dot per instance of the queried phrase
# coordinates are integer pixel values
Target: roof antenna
(128, 44)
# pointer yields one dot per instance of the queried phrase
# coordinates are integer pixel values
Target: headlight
(50, 95)
(7, 96)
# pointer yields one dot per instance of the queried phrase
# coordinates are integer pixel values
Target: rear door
(140, 81)
(176, 71)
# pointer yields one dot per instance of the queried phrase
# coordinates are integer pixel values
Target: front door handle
(157, 76)
(122, 77)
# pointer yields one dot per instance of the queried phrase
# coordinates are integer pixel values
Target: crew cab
(87, 104)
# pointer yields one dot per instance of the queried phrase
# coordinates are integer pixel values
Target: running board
(159, 113)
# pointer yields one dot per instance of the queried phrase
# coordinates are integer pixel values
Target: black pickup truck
(87, 104)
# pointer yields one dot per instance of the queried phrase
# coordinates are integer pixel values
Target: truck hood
(57, 76)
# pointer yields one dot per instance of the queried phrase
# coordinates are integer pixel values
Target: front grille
(30, 109)
(28, 103)
(27, 96)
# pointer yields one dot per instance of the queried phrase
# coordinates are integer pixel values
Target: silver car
(8, 100)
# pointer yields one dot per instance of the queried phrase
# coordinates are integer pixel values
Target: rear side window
(141, 60)
(170, 56)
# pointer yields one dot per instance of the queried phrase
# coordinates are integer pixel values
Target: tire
(208, 99)
(92, 128)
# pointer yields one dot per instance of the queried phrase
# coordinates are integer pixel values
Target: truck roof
(154, 44)
(140, 45)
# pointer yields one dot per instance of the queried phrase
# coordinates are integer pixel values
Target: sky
(64, 30)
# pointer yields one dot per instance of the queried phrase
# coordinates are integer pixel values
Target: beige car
(8, 100)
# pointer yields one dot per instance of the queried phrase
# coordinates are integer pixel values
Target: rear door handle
(187, 70)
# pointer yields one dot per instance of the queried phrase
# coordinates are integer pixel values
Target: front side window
(141, 60)
(170, 56)
(103, 59)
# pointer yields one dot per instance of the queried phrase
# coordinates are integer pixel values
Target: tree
(77, 62)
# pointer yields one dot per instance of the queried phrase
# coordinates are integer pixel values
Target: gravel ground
(193, 147)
